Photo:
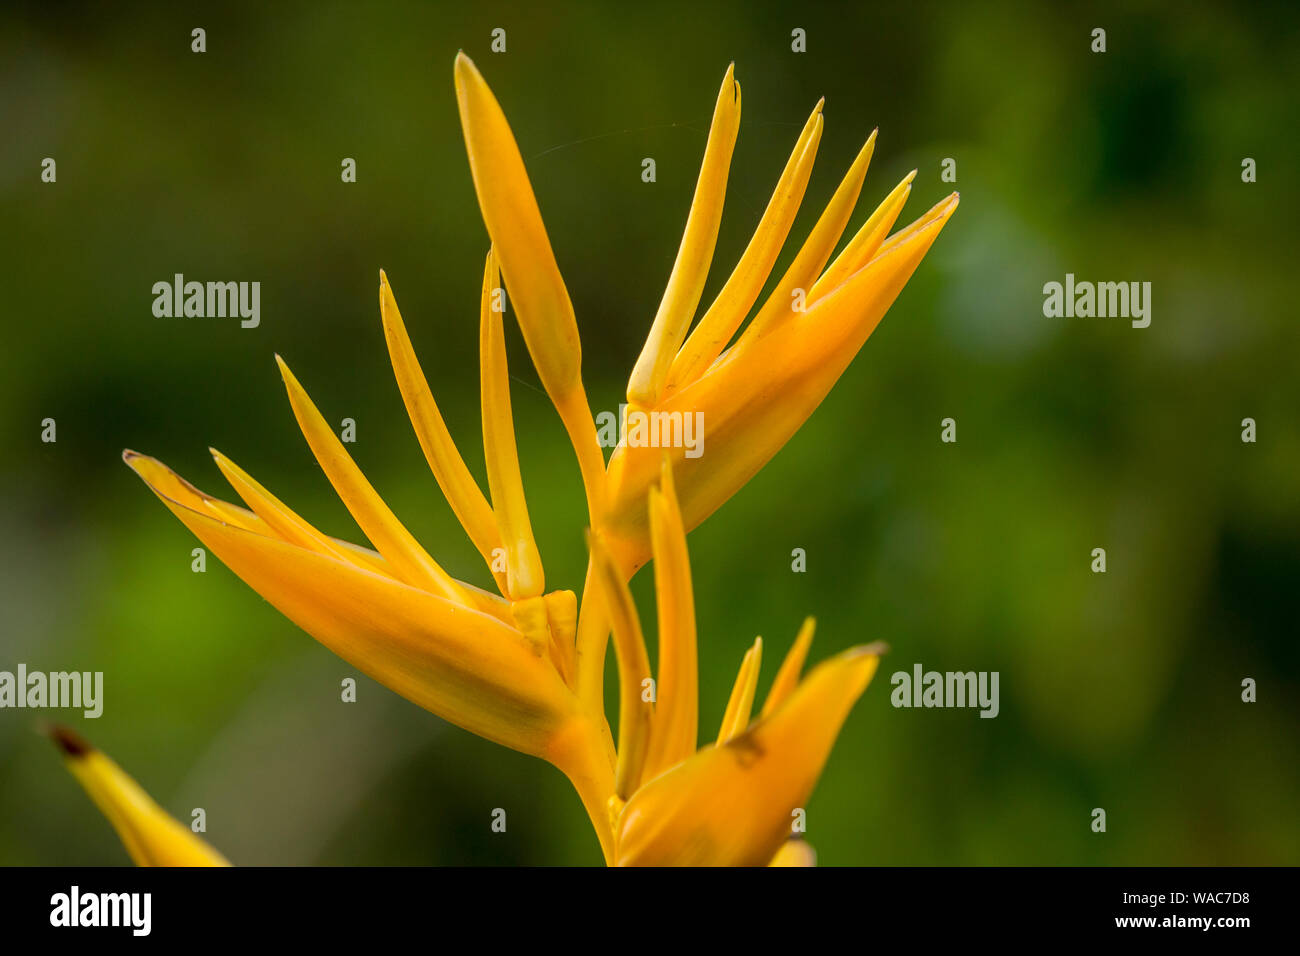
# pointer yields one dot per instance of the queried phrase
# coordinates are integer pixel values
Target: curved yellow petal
(787, 678)
(741, 703)
(276, 519)
(410, 562)
(523, 563)
(676, 722)
(279, 517)
(151, 836)
(795, 853)
(940, 210)
(691, 269)
(635, 712)
(537, 291)
(816, 250)
(732, 805)
(862, 247)
(738, 295)
(757, 394)
(465, 665)
(514, 223)
(449, 470)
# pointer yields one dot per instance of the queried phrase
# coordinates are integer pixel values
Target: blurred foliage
(1119, 691)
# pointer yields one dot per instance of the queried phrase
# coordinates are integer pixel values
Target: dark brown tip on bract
(68, 740)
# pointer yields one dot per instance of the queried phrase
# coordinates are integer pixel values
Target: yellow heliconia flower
(752, 396)
(732, 802)
(521, 666)
(501, 666)
(151, 836)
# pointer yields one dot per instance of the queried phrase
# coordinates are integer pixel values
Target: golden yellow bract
(525, 666)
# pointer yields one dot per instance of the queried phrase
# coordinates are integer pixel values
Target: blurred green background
(1119, 691)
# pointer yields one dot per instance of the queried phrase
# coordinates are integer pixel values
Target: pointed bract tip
(730, 78)
(865, 153)
(464, 69)
(383, 278)
(138, 463)
(909, 177)
(67, 740)
(286, 375)
(874, 649)
(820, 103)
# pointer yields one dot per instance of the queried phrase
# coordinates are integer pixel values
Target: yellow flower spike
(732, 805)
(686, 283)
(527, 673)
(795, 853)
(787, 678)
(864, 244)
(449, 470)
(169, 483)
(817, 248)
(281, 520)
(151, 836)
(741, 704)
(537, 291)
(465, 665)
(741, 290)
(525, 578)
(634, 713)
(758, 394)
(410, 562)
(170, 486)
(676, 723)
